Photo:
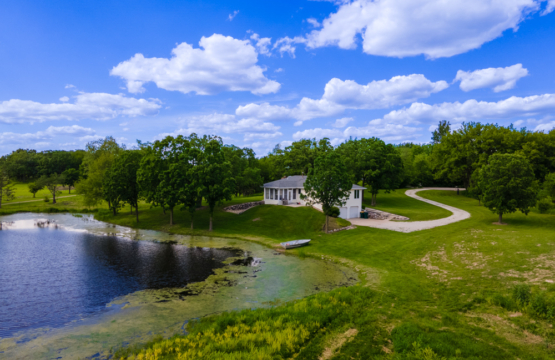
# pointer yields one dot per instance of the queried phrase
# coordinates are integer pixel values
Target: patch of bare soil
(433, 270)
(337, 343)
(542, 270)
(498, 223)
(256, 219)
(505, 328)
(465, 253)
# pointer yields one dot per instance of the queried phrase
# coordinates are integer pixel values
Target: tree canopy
(508, 184)
(328, 183)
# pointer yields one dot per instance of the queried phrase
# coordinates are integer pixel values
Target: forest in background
(452, 158)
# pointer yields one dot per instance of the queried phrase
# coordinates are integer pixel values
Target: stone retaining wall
(243, 207)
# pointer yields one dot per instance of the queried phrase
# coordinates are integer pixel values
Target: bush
(333, 212)
(46, 199)
(545, 204)
(504, 302)
(539, 305)
(521, 294)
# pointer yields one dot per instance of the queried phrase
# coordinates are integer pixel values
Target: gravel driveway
(408, 227)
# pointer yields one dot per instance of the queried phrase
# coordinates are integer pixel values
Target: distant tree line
(172, 173)
(179, 172)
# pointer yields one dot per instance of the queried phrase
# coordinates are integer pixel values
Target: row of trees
(170, 173)
(25, 165)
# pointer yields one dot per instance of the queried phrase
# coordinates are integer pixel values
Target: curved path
(408, 227)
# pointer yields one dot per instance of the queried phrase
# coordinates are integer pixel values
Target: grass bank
(447, 292)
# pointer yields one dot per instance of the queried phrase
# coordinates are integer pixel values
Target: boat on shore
(294, 243)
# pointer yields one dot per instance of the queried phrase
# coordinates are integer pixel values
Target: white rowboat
(294, 243)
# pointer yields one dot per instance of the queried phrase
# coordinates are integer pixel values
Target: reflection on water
(49, 277)
(62, 252)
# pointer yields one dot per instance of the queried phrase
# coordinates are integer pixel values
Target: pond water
(49, 277)
(73, 287)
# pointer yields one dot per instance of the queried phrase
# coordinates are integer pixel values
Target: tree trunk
(137, 212)
(374, 199)
(34, 195)
(114, 210)
(210, 228)
(199, 201)
(130, 209)
(54, 197)
(327, 221)
(500, 218)
(191, 224)
(171, 216)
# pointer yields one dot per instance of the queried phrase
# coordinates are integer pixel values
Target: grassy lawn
(22, 194)
(449, 289)
(398, 203)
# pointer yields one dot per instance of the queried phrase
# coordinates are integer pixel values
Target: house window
(272, 194)
(294, 194)
(357, 194)
(281, 194)
(267, 192)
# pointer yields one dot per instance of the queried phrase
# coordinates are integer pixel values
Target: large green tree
(6, 187)
(443, 128)
(35, 187)
(386, 170)
(123, 176)
(508, 184)
(165, 173)
(328, 183)
(71, 177)
(98, 159)
(53, 183)
(214, 173)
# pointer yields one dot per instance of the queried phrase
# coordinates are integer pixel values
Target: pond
(71, 286)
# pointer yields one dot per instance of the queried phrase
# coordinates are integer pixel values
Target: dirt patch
(257, 219)
(435, 271)
(498, 223)
(542, 270)
(337, 343)
(505, 328)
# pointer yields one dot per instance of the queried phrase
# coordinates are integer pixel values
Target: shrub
(504, 302)
(538, 303)
(46, 199)
(521, 294)
(545, 204)
(333, 212)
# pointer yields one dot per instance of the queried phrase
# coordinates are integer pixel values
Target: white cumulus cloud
(218, 123)
(43, 136)
(471, 110)
(435, 28)
(340, 95)
(500, 79)
(262, 44)
(341, 123)
(387, 132)
(221, 63)
(95, 106)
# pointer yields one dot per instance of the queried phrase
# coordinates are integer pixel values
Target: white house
(287, 191)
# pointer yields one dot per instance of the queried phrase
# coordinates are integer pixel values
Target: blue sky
(261, 73)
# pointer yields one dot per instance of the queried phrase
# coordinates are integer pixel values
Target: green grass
(398, 203)
(22, 194)
(440, 293)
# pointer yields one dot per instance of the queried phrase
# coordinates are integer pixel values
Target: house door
(343, 213)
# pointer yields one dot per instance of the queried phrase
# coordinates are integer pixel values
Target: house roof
(296, 182)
